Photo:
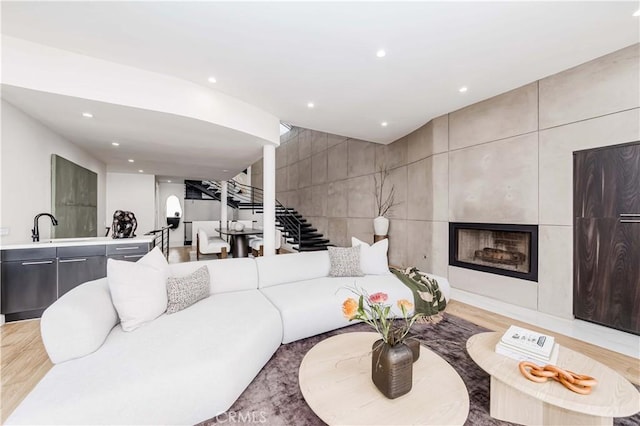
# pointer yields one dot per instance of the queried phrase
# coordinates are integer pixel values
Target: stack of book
(526, 345)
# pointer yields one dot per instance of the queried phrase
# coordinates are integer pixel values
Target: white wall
(195, 210)
(25, 175)
(176, 237)
(133, 192)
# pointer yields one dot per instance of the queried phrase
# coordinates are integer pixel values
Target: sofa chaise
(192, 365)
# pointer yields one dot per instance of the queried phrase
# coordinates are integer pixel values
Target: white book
(520, 356)
(503, 349)
(528, 341)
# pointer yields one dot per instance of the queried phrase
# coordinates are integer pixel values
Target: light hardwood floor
(24, 360)
(182, 254)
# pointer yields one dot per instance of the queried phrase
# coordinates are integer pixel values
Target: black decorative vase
(414, 345)
(392, 368)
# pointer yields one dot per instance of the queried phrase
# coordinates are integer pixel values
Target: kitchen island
(36, 274)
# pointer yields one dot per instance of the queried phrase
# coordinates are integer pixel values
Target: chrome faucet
(35, 232)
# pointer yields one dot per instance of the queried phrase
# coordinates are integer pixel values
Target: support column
(223, 205)
(269, 201)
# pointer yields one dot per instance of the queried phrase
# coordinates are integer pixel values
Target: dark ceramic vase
(392, 368)
(414, 345)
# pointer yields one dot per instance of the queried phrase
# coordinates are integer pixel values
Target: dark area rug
(274, 397)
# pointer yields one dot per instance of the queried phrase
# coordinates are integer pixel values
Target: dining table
(239, 242)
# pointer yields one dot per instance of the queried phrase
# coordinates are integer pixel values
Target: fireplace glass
(501, 249)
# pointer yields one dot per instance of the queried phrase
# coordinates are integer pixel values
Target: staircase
(299, 234)
(194, 189)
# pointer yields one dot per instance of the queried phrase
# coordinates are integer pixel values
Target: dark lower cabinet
(32, 279)
(28, 287)
(128, 252)
(77, 270)
(127, 257)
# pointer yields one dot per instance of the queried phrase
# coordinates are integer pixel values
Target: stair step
(314, 242)
(302, 225)
(292, 221)
(290, 213)
(283, 214)
(312, 248)
(310, 235)
(307, 243)
(306, 233)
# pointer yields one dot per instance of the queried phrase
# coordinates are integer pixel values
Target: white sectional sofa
(192, 365)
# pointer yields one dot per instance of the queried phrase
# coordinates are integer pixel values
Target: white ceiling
(159, 144)
(279, 56)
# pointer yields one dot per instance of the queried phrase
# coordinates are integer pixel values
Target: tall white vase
(380, 225)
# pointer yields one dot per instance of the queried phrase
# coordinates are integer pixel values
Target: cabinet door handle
(127, 248)
(73, 260)
(629, 214)
(630, 221)
(44, 262)
(133, 255)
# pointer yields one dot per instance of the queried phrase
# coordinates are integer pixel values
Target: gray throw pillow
(183, 292)
(345, 262)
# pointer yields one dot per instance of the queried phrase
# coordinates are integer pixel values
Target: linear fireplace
(510, 250)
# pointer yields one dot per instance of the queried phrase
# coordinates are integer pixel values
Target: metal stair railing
(161, 239)
(210, 190)
(255, 196)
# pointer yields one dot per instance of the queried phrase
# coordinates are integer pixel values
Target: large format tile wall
(507, 159)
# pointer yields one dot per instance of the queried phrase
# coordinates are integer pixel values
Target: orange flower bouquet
(373, 310)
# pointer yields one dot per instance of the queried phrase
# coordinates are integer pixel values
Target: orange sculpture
(577, 383)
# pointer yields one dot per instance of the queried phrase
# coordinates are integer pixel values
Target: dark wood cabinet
(33, 278)
(128, 252)
(126, 257)
(77, 270)
(29, 282)
(79, 264)
(607, 236)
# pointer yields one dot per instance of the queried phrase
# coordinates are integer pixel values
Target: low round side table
(335, 379)
(519, 400)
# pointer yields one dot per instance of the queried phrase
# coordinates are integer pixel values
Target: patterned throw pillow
(183, 292)
(345, 262)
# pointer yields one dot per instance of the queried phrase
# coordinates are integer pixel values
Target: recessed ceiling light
(87, 115)
(115, 144)
(636, 13)
(384, 124)
(168, 181)
(310, 105)
(212, 80)
(463, 89)
(131, 160)
(381, 53)
(225, 170)
(140, 171)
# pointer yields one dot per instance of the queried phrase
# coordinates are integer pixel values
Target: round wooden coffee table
(519, 400)
(335, 379)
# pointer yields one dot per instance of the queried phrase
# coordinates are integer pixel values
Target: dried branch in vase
(384, 204)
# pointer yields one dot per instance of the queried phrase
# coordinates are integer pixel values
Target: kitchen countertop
(71, 242)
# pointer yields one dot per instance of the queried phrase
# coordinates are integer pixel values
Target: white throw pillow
(138, 290)
(183, 292)
(373, 259)
(345, 262)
